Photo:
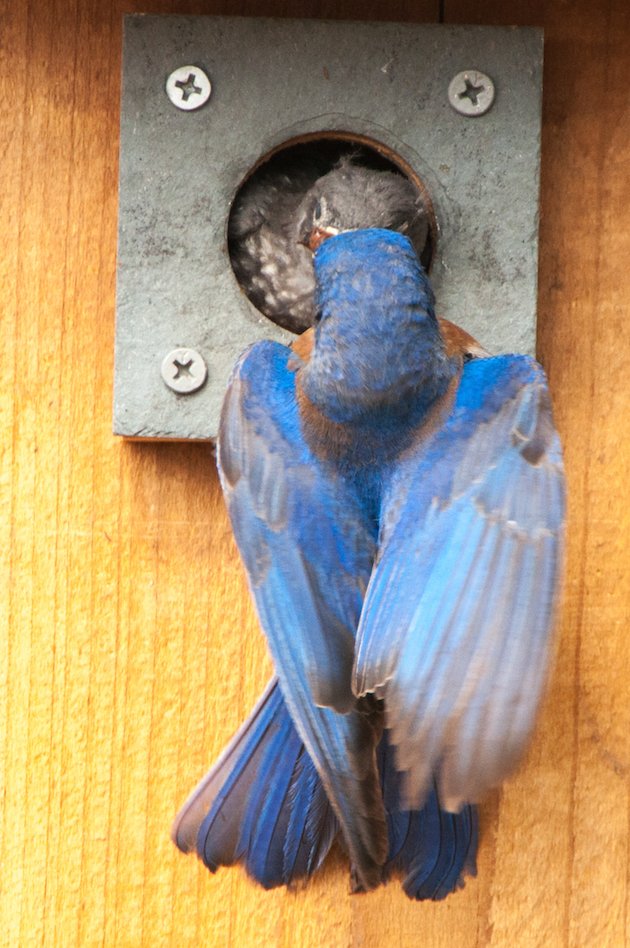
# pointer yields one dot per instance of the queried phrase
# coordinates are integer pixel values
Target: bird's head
(319, 221)
(351, 197)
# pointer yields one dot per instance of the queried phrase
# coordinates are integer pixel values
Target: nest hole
(270, 268)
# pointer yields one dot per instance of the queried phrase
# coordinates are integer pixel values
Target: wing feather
(455, 629)
(308, 548)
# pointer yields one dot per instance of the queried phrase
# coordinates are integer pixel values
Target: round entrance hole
(274, 270)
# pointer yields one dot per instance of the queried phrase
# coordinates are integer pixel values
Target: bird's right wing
(455, 629)
(308, 550)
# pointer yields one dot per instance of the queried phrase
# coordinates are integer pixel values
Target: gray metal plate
(274, 80)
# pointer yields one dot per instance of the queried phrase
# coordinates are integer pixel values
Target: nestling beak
(317, 236)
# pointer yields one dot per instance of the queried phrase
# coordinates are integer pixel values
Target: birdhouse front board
(210, 102)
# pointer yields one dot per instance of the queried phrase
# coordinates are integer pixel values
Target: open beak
(317, 237)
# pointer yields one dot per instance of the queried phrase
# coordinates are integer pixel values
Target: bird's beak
(317, 236)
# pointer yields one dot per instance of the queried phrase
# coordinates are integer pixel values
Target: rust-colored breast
(460, 342)
(303, 345)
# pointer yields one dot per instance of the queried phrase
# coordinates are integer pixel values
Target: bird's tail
(433, 849)
(262, 803)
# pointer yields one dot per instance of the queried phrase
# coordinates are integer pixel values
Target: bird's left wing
(308, 550)
(455, 629)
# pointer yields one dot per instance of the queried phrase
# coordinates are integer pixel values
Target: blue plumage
(400, 517)
(262, 803)
(431, 849)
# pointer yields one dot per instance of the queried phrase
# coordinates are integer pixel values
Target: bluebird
(399, 506)
(267, 228)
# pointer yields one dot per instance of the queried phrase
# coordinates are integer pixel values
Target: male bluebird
(399, 511)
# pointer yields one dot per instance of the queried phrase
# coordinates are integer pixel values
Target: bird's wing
(455, 629)
(308, 551)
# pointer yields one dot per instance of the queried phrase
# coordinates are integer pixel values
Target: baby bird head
(351, 197)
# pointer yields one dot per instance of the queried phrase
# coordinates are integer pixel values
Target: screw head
(471, 92)
(184, 370)
(188, 88)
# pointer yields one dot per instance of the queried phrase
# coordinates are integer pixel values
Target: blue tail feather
(311, 830)
(263, 804)
(268, 812)
(435, 850)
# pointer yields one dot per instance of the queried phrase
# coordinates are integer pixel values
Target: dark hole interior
(273, 270)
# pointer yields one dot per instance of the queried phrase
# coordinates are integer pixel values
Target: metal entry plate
(273, 80)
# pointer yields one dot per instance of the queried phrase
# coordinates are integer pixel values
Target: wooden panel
(130, 651)
(562, 867)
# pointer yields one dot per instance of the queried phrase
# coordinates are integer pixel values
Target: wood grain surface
(130, 651)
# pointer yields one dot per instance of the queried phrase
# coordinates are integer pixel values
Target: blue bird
(399, 511)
